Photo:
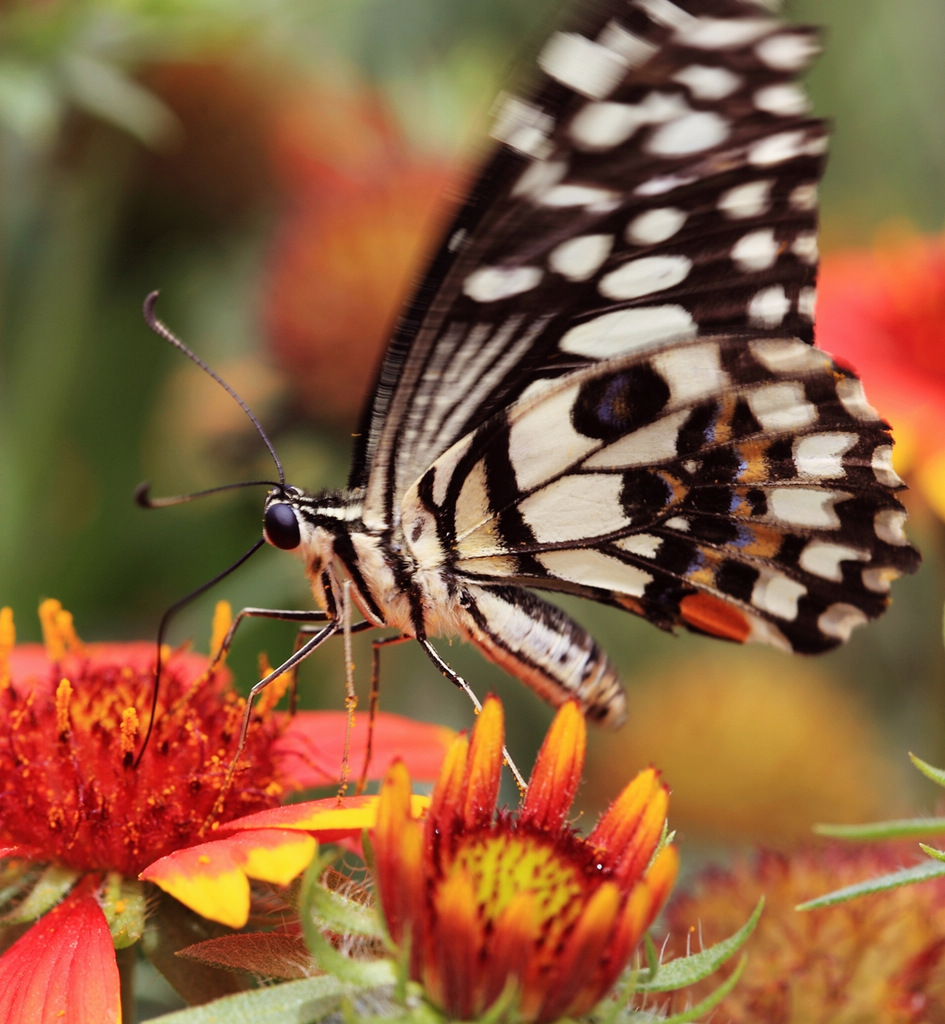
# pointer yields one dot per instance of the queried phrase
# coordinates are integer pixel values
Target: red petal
(63, 969)
(557, 772)
(311, 750)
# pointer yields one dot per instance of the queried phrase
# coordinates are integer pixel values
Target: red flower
(488, 904)
(883, 312)
(79, 819)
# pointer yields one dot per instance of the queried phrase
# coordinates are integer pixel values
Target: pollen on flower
(70, 730)
(63, 698)
(129, 730)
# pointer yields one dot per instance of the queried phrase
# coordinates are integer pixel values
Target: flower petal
(557, 772)
(630, 828)
(311, 750)
(213, 878)
(484, 765)
(63, 968)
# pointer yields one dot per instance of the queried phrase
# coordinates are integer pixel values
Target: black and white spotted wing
(606, 385)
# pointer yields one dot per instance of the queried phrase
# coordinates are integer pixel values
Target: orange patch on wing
(632, 604)
(714, 616)
(754, 455)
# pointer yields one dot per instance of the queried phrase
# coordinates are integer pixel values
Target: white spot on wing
(579, 258)
(491, 284)
(692, 372)
(651, 444)
(692, 133)
(602, 125)
(820, 456)
(807, 302)
(581, 64)
(524, 127)
(645, 545)
(594, 569)
(768, 307)
(749, 200)
(853, 397)
(678, 523)
(840, 619)
(664, 183)
(725, 33)
(883, 466)
(805, 506)
(804, 197)
(631, 47)
(783, 406)
(777, 595)
(575, 508)
(628, 330)
(890, 526)
(823, 559)
(757, 250)
(785, 99)
(533, 459)
(788, 51)
(645, 276)
(708, 83)
(776, 149)
(655, 226)
(576, 195)
(785, 356)
(805, 247)
(539, 177)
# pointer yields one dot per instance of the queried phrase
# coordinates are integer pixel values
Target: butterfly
(606, 384)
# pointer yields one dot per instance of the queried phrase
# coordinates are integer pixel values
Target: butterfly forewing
(658, 183)
(605, 384)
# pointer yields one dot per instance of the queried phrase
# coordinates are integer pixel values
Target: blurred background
(277, 168)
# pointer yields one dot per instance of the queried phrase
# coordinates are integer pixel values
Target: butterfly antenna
(162, 630)
(163, 331)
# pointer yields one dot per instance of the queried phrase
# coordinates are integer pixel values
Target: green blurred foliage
(91, 402)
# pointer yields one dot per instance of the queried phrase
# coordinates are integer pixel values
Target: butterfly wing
(738, 487)
(658, 183)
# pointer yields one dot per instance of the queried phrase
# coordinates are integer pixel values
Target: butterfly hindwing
(737, 487)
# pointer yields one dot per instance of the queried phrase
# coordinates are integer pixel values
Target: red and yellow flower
(81, 815)
(487, 906)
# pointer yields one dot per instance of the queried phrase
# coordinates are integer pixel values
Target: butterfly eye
(281, 527)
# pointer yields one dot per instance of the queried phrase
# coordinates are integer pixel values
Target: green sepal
(124, 906)
(49, 889)
(917, 873)
(687, 970)
(932, 852)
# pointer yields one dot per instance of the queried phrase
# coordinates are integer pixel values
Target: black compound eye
(281, 527)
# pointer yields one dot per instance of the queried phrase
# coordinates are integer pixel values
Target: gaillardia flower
(81, 814)
(519, 906)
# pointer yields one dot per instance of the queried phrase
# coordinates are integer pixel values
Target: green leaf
(699, 1010)
(937, 775)
(917, 873)
(932, 852)
(295, 1002)
(686, 970)
(902, 828)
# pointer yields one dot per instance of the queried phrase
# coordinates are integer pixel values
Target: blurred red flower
(882, 310)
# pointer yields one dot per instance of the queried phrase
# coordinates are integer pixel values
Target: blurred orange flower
(768, 746)
(882, 310)
(359, 220)
(879, 958)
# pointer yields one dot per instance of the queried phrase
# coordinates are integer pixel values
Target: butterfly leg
(457, 680)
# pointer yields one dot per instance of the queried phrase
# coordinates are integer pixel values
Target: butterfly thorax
(336, 546)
